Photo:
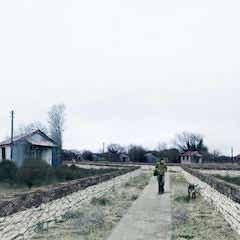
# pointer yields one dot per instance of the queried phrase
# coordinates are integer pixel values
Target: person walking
(159, 172)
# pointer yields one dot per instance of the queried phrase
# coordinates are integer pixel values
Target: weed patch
(102, 201)
(182, 199)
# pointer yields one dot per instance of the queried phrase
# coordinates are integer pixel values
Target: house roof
(192, 153)
(37, 138)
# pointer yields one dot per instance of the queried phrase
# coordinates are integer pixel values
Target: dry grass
(8, 191)
(95, 220)
(195, 219)
(138, 182)
(231, 179)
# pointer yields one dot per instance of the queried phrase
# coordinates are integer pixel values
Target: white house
(190, 157)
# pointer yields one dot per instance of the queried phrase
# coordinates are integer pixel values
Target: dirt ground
(95, 220)
(7, 191)
(196, 219)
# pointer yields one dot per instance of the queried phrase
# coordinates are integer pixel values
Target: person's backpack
(155, 172)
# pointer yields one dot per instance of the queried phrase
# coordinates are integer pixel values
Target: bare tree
(28, 128)
(115, 149)
(56, 120)
(162, 146)
(137, 153)
(190, 142)
(215, 154)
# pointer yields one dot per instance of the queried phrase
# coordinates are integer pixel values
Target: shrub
(35, 172)
(64, 173)
(87, 155)
(38, 172)
(8, 171)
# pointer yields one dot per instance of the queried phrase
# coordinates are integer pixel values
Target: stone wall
(43, 211)
(216, 166)
(223, 196)
(42, 195)
(231, 173)
(230, 190)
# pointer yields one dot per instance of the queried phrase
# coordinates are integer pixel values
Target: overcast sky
(128, 71)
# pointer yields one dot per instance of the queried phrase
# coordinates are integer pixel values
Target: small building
(190, 157)
(124, 157)
(151, 158)
(36, 145)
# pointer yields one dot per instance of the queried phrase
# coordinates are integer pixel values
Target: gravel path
(148, 218)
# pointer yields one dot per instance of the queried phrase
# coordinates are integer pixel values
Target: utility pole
(103, 147)
(232, 155)
(12, 126)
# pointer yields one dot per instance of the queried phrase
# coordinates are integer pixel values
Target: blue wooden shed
(36, 145)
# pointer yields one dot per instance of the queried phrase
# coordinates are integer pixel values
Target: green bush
(8, 171)
(38, 173)
(35, 172)
(64, 173)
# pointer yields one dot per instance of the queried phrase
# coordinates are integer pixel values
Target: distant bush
(87, 155)
(8, 171)
(137, 153)
(35, 172)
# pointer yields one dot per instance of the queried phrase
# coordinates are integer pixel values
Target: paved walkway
(149, 218)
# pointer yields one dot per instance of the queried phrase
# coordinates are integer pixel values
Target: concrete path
(149, 218)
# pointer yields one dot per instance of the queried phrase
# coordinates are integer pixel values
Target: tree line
(183, 142)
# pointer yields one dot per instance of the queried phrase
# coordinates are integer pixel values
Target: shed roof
(192, 153)
(37, 138)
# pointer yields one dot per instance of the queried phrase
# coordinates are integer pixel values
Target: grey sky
(129, 71)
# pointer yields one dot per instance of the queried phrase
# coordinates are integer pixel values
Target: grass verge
(95, 220)
(196, 219)
(230, 179)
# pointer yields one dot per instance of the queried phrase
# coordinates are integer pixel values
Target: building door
(3, 153)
